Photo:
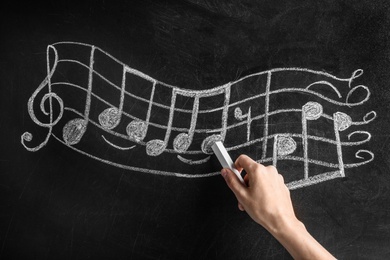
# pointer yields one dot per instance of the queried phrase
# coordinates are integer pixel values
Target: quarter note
(341, 122)
(74, 130)
(210, 140)
(238, 115)
(310, 111)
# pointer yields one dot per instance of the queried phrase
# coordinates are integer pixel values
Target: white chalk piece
(224, 159)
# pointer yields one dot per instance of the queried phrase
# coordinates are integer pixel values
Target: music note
(341, 122)
(210, 140)
(283, 145)
(110, 117)
(183, 140)
(74, 130)
(238, 115)
(137, 129)
(310, 111)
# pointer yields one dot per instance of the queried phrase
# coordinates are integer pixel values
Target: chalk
(224, 159)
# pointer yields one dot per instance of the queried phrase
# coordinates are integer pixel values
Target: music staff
(140, 130)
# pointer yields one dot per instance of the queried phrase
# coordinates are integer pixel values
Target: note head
(137, 129)
(342, 121)
(74, 130)
(155, 147)
(285, 145)
(208, 143)
(312, 110)
(182, 142)
(109, 118)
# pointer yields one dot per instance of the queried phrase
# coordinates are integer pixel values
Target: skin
(267, 201)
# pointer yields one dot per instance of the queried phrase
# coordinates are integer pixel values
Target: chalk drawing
(323, 100)
(238, 115)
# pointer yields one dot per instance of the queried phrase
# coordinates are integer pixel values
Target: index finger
(246, 163)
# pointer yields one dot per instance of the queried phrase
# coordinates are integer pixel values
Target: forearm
(293, 235)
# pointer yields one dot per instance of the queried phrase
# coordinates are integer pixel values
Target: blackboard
(311, 76)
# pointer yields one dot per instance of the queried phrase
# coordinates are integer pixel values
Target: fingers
(234, 183)
(246, 163)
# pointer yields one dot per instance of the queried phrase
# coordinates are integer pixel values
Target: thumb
(234, 183)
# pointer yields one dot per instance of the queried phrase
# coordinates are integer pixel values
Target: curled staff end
(358, 101)
(362, 134)
(364, 155)
(359, 153)
(370, 116)
(357, 73)
(367, 118)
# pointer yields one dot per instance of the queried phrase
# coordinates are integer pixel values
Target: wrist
(287, 227)
(292, 234)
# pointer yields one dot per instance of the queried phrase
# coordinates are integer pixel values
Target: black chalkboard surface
(108, 111)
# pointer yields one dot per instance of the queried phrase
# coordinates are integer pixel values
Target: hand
(266, 198)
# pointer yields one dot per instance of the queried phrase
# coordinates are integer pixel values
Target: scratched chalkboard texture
(109, 109)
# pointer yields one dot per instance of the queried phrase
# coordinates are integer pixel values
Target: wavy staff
(186, 142)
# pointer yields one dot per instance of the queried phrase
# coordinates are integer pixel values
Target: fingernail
(224, 172)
